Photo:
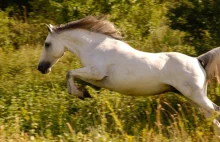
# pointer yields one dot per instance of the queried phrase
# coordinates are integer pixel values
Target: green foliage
(33, 105)
(5, 34)
(37, 107)
(200, 19)
(14, 33)
(142, 23)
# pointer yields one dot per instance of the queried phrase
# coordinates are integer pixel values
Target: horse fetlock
(76, 93)
(72, 89)
(68, 75)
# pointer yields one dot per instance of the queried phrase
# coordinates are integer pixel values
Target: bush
(5, 34)
(14, 33)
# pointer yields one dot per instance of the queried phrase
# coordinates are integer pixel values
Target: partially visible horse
(110, 63)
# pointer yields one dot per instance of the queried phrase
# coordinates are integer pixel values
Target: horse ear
(50, 28)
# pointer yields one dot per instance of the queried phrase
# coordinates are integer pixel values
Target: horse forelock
(93, 24)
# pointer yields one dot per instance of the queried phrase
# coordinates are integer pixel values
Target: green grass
(36, 107)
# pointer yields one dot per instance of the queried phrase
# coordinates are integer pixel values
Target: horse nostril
(43, 67)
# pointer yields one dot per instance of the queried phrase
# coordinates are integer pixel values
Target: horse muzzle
(44, 67)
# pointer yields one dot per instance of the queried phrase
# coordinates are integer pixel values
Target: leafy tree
(200, 19)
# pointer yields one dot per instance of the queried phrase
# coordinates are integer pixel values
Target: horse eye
(47, 45)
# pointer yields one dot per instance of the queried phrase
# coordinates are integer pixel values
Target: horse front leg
(85, 73)
(80, 92)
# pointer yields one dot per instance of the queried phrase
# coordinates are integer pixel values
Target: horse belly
(138, 84)
(142, 89)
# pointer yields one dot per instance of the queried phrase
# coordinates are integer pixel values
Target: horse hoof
(85, 93)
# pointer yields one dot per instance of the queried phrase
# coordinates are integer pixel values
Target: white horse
(109, 62)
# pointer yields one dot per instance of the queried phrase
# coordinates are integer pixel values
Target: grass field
(36, 107)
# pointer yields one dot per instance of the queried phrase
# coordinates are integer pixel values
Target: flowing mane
(93, 24)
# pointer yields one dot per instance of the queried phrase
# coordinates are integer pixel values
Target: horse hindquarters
(189, 78)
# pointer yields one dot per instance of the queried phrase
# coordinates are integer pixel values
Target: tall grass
(36, 107)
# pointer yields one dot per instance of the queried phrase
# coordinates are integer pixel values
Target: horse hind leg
(199, 97)
(208, 108)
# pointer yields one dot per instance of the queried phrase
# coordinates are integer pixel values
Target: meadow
(36, 107)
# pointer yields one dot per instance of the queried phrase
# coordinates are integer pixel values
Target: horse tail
(211, 63)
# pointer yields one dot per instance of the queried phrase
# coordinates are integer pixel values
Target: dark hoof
(85, 93)
(81, 98)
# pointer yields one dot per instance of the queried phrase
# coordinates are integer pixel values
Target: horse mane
(93, 24)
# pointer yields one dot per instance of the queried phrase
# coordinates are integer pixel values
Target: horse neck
(80, 41)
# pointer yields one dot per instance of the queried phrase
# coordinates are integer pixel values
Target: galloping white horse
(109, 62)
